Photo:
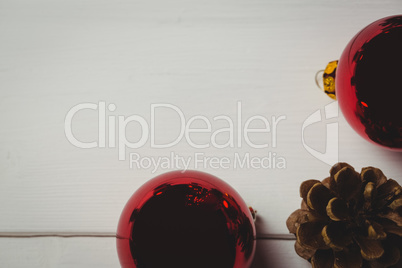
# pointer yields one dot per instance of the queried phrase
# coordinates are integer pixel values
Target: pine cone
(349, 220)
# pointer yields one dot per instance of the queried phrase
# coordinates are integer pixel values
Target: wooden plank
(101, 252)
(201, 56)
(58, 252)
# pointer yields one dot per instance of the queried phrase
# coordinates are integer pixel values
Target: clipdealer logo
(220, 132)
(331, 154)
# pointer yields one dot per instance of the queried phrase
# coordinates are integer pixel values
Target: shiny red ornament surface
(368, 82)
(186, 219)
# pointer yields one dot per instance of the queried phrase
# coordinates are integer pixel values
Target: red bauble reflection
(186, 219)
(368, 82)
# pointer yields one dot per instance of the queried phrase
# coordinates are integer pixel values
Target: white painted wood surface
(200, 56)
(100, 252)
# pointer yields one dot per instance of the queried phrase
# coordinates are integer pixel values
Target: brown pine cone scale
(350, 219)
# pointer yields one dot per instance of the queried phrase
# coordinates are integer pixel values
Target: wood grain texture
(100, 252)
(201, 56)
(58, 252)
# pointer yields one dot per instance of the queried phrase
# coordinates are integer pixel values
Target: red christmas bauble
(368, 82)
(186, 219)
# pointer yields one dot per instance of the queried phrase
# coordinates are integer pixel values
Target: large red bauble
(369, 82)
(186, 219)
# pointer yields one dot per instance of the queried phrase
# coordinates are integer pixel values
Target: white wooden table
(205, 58)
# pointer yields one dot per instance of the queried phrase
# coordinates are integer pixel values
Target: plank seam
(113, 235)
